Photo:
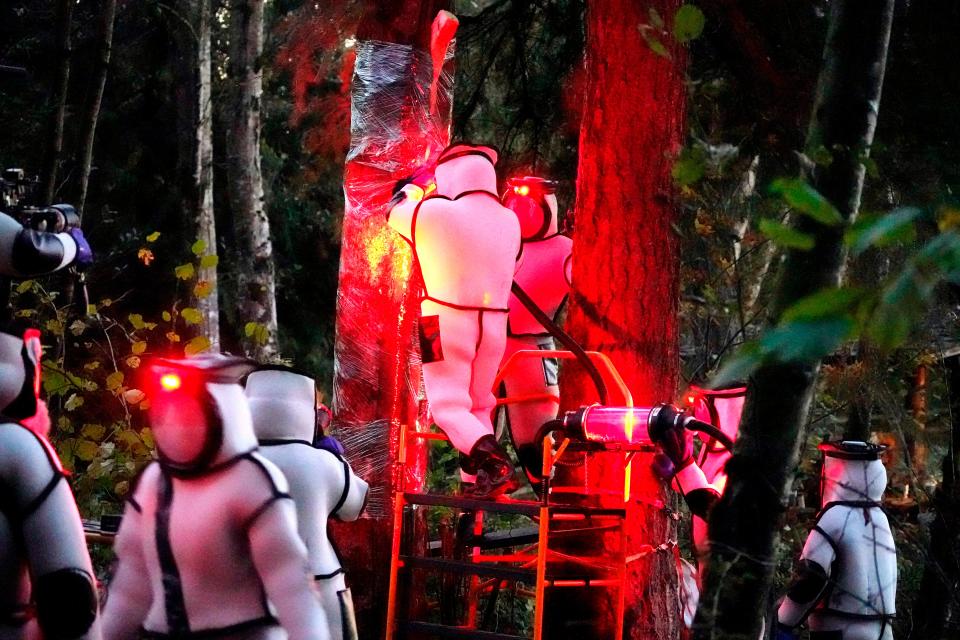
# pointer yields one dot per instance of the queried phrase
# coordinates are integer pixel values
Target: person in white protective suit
(208, 544)
(47, 585)
(286, 421)
(466, 245)
(846, 583)
(544, 275)
(26, 253)
(700, 479)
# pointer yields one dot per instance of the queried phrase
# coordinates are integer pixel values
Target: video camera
(18, 198)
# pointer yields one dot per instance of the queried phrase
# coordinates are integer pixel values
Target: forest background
(519, 85)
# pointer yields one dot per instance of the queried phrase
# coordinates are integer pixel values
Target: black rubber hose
(693, 424)
(571, 345)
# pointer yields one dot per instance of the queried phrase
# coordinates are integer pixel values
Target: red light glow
(523, 190)
(170, 381)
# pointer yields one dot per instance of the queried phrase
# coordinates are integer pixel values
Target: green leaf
(784, 236)
(882, 231)
(114, 380)
(198, 247)
(209, 261)
(805, 340)
(138, 347)
(821, 156)
(24, 286)
(690, 167)
(824, 303)
(184, 271)
(655, 44)
(655, 19)
(136, 320)
(688, 23)
(744, 362)
(153, 236)
(197, 345)
(807, 200)
(191, 315)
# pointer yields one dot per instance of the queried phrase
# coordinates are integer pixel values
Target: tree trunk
(256, 293)
(59, 114)
(105, 46)
(625, 295)
(190, 28)
(936, 610)
(744, 524)
(377, 380)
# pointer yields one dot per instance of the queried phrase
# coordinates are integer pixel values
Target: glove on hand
(84, 256)
(675, 441)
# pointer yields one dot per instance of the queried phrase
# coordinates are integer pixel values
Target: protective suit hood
(198, 412)
(534, 201)
(852, 472)
(466, 167)
(283, 404)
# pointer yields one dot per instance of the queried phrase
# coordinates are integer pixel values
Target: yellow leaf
(209, 261)
(146, 434)
(249, 329)
(106, 302)
(153, 236)
(136, 320)
(173, 336)
(24, 286)
(25, 313)
(145, 256)
(133, 362)
(191, 315)
(197, 345)
(134, 396)
(92, 366)
(184, 271)
(114, 380)
(54, 326)
(93, 431)
(121, 488)
(203, 288)
(198, 247)
(166, 316)
(138, 347)
(150, 325)
(91, 309)
(86, 450)
(77, 327)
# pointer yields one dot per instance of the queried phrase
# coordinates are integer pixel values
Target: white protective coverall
(25, 252)
(544, 275)
(846, 586)
(208, 545)
(467, 245)
(47, 585)
(284, 409)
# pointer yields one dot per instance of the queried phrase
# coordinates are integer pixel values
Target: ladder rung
(441, 631)
(509, 538)
(522, 507)
(472, 568)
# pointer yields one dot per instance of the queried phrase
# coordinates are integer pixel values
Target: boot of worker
(493, 469)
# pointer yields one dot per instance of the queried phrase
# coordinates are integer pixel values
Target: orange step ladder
(529, 564)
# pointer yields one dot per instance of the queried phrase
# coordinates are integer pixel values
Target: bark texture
(256, 293)
(190, 30)
(377, 381)
(936, 611)
(625, 286)
(744, 524)
(61, 88)
(92, 115)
